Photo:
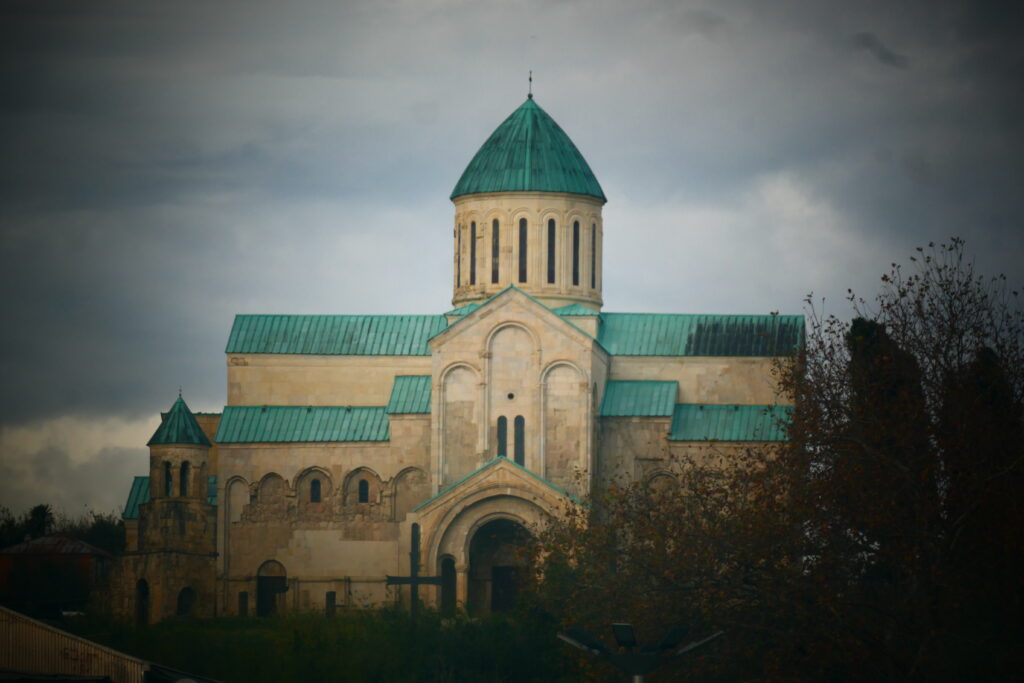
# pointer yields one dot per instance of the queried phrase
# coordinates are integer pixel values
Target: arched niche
(313, 486)
(186, 602)
(565, 426)
(512, 371)
(411, 487)
(237, 499)
(273, 490)
(460, 398)
(363, 488)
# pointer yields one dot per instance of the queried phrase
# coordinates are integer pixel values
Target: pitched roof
(409, 394)
(575, 309)
(179, 426)
(672, 334)
(638, 398)
(54, 544)
(335, 335)
(277, 424)
(528, 152)
(704, 422)
(139, 494)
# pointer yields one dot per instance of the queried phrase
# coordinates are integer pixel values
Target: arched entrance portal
(271, 581)
(495, 566)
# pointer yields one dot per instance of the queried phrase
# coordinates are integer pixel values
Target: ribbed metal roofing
(139, 494)
(409, 394)
(179, 426)
(704, 422)
(669, 334)
(638, 398)
(335, 335)
(463, 311)
(575, 309)
(528, 152)
(277, 424)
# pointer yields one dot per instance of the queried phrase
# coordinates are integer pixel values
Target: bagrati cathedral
(344, 436)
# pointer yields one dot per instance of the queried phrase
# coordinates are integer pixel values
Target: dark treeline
(103, 530)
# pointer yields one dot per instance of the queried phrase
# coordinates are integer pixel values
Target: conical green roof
(179, 426)
(528, 152)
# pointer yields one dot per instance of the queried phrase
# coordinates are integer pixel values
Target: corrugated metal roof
(335, 335)
(528, 152)
(277, 424)
(637, 398)
(463, 311)
(667, 334)
(54, 544)
(704, 422)
(575, 309)
(409, 394)
(140, 494)
(178, 426)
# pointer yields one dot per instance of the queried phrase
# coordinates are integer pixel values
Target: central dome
(528, 152)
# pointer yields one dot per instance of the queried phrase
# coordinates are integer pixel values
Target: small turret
(178, 515)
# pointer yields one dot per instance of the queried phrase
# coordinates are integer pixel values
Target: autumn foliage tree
(883, 541)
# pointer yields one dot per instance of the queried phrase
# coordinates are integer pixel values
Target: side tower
(169, 570)
(528, 213)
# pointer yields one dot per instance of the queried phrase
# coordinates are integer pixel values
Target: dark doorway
(494, 566)
(447, 587)
(271, 582)
(141, 603)
(504, 588)
(186, 602)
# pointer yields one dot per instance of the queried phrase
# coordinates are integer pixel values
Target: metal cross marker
(414, 579)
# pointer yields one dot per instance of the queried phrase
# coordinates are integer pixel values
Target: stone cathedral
(342, 432)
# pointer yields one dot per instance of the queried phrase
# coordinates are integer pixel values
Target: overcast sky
(167, 165)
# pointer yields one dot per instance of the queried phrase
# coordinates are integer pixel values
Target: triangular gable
(179, 426)
(487, 306)
(482, 472)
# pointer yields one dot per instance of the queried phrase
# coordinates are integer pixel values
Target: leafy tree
(883, 541)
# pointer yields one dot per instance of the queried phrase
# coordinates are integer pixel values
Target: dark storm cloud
(167, 165)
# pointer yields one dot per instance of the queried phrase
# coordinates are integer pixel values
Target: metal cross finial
(179, 392)
(529, 93)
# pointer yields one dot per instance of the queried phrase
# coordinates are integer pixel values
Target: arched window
(551, 250)
(364, 491)
(495, 249)
(314, 491)
(502, 437)
(186, 602)
(168, 480)
(522, 249)
(458, 256)
(472, 253)
(185, 469)
(576, 253)
(520, 427)
(593, 255)
(141, 603)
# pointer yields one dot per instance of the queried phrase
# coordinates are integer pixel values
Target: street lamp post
(637, 660)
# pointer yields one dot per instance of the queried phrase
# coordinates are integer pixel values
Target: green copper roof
(636, 398)
(575, 309)
(335, 335)
(702, 422)
(276, 424)
(178, 426)
(140, 494)
(661, 334)
(528, 152)
(463, 311)
(409, 394)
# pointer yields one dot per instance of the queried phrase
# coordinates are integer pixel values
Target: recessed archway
(496, 566)
(271, 581)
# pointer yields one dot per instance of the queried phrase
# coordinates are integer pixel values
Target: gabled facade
(477, 425)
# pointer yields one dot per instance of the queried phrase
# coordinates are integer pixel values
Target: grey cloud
(871, 43)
